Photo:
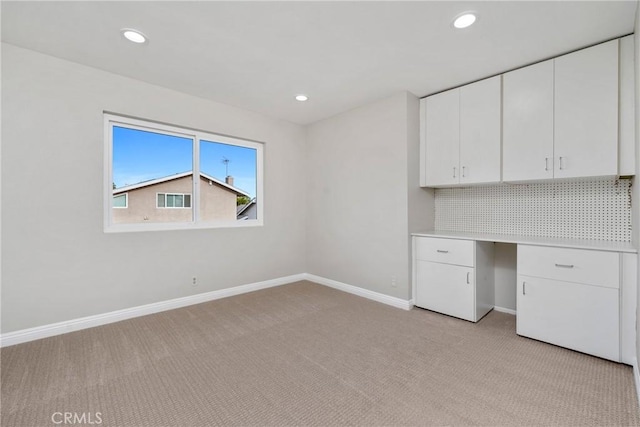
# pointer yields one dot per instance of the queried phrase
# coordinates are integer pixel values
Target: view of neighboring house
(169, 199)
(248, 210)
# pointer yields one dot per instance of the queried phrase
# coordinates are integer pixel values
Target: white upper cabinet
(560, 117)
(462, 136)
(567, 117)
(586, 112)
(480, 143)
(442, 136)
(528, 123)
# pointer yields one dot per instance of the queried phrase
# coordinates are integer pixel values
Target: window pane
(148, 163)
(228, 181)
(120, 201)
(152, 177)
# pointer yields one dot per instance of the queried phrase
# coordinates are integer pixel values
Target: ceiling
(258, 55)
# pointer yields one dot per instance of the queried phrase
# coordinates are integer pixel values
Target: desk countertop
(531, 240)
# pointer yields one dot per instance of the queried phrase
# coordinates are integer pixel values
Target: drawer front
(448, 251)
(570, 265)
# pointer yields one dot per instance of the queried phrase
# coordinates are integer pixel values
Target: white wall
(362, 177)
(505, 263)
(57, 264)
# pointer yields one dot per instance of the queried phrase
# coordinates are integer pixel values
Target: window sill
(172, 226)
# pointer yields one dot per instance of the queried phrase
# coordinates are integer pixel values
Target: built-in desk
(579, 294)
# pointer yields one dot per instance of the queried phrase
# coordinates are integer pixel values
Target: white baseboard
(636, 377)
(504, 310)
(31, 334)
(365, 293)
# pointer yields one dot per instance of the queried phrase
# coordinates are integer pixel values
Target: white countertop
(531, 240)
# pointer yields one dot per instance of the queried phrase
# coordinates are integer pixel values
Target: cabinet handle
(468, 277)
(454, 171)
(441, 251)
(561, 163)
(524, 284)
(564, 265)
(463, 168)
(546, 163)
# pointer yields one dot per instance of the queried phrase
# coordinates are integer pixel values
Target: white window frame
(126, 200)
(174, 207)
(111, 120)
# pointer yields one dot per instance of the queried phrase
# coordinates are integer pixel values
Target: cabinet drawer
(449, 251)
(570, 265)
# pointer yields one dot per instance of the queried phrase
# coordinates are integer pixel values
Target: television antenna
(226, 166)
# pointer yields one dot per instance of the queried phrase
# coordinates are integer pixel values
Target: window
(160, 177)
(168, 200)
(120, 201)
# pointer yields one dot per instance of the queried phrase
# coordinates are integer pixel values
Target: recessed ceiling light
(464, 20)
(133, 35)
(301, 97)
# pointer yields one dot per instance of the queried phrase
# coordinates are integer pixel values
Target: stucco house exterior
(248, 210)
(170, 199)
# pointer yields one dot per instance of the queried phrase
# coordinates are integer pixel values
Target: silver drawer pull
(564, 265)
(441, 251)
(468, 278)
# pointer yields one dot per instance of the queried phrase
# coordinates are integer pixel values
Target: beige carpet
(304, 354)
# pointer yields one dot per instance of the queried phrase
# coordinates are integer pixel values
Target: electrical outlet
(393, 281)
(194, 281)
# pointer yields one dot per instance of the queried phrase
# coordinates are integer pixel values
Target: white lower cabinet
(572, 315)
(447, 289)
(571, 298)
(581, 299)
(454, 277)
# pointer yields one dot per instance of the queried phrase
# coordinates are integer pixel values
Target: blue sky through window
(142, 155)
(242, 164)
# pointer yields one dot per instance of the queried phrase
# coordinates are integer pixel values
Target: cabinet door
(528, 123)
(480, 130)
(446, 288)
(573, 315)
(586, 112)
(442, 135)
